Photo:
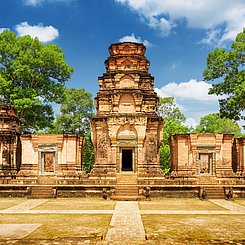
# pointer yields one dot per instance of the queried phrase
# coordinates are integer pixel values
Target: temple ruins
(126, 133)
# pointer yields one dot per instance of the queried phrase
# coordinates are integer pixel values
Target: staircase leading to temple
(126, 188)
(215, 192)
(42, 192)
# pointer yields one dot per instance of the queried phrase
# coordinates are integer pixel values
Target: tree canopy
(173, 124)
(76, 110)
(32, 75)
(88, 153)
(213, 123)
(228, 65)
(168, 109)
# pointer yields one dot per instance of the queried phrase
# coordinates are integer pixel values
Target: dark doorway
(127, 160)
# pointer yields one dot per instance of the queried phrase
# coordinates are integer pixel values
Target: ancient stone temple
(126, 130)
(126, 133)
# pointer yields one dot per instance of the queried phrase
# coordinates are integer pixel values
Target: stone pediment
(126, 132)
(127, 81)
(126, 104)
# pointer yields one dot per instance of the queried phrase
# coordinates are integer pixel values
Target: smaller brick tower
(10, 146)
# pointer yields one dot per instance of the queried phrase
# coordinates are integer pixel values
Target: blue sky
(178, 35)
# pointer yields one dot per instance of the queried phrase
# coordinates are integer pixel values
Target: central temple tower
(126, 130)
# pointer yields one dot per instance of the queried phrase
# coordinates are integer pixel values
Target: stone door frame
(41, 152)
(133, 158)
(129, 145)
(209, 151)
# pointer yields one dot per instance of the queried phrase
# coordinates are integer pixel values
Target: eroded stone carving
(151, 149)
(6, 154)
(126, 120)
(204, 163)
(103, 146)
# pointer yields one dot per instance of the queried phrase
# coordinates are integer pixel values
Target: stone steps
(127, 179)
(127, 198)
(126, 188)
(42, 192)
(215, 192)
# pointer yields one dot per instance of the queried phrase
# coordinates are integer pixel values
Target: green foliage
(213, 123)
(76, 110)
(173, 124)
(169, 109)
(229, 66)
(32, 75)
(88, 153)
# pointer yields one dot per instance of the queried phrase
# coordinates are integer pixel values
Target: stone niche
(51, 155)
(126, 130)
(126, 104)
(206, 155)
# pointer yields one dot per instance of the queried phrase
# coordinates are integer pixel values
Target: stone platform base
(185, 191)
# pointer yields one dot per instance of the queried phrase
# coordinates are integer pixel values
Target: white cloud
(162, 24)
(212, 38)
(35, 3)
(193, 89)
(190, 122)
(209, 15)
(43, 33)
(134, 39)
(3, 29)
(192, 98)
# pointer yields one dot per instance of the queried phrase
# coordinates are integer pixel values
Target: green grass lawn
(77, 204)
(10, 202)
(178, 204)
(203, 229)
(61, 225)
(240, 201)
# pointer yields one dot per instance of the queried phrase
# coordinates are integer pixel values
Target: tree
(168, 109)
(213, 123)
(76, 110)
(229, 66)
(32, 75)
(88, 153)
(173, 124)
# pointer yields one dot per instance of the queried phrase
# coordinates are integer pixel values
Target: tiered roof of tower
(126, 72)
(127, 57)
(10, 123)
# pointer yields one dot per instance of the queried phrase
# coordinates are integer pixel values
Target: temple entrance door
(127, 160)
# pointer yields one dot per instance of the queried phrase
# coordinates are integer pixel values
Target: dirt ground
(77, 204)
(202, 229)
(178, 204)
(74, 228)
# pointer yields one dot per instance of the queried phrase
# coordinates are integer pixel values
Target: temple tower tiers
(126, 130)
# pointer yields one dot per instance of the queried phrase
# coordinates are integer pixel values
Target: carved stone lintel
(127, 120)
